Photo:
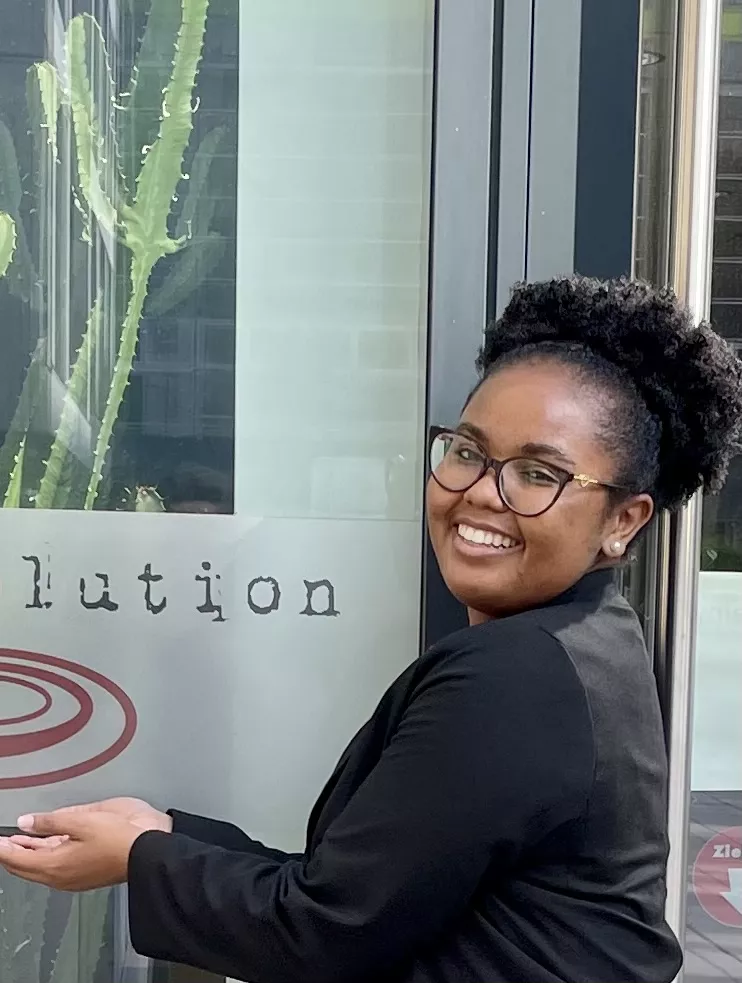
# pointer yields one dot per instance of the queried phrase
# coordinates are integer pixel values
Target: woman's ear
(624, 524)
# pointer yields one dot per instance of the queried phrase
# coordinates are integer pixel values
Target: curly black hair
(672, 389)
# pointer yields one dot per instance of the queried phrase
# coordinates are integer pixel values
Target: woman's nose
(485, 493)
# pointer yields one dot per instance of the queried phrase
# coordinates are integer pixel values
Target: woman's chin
(486, 602)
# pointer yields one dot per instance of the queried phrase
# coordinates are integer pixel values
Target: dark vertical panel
(495, 140)
(442, 613)
(461, 229)
(606, 137)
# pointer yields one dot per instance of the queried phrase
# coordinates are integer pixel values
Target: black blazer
(500, 819)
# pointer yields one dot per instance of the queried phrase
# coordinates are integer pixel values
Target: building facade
(247, 252)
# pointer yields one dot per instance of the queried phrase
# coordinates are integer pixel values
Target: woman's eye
(537, 476)
(469, 455)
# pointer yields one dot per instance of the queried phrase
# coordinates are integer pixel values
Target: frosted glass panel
(271, 393)
(333, 241)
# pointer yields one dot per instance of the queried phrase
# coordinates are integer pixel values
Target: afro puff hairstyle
(672, 389)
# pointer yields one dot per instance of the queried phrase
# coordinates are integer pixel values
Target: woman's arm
(225, 835)
(493, 753)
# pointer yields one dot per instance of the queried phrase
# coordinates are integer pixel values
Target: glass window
(333, 234)
(655, 140)
(118, 191)
(651, 248)
(713, 937)
(213, 288)
(714, 920)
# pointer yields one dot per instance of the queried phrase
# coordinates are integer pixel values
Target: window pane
(119, 286)
(226, 319)
(651, 259)
(333, 229)
(714, 924)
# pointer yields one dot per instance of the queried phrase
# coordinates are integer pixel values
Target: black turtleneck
(500, 819)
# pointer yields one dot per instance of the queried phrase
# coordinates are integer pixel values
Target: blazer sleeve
(493, 752)
(218, 833)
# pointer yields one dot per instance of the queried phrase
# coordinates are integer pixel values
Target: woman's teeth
(483, 537)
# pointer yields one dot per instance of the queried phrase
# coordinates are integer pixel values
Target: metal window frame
(699, 45)
(462, 203)
(555, 137)
(466, 137)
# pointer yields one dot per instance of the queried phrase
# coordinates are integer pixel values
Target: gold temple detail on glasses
(584, 480)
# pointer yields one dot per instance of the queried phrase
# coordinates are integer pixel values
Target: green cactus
(76, 947)
(198, 207)
(43, 79)
(83, 939)
(145, 222)
(86, 125)
(22, 916)
(12, 498)
(21, 274)
(8, 239)
(51, 483)
(141, 104)
(128, 160)
(33, 387)
(148, 500)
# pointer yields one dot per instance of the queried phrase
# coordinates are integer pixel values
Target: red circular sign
(46, 700)
(717, 877)
(46, 675)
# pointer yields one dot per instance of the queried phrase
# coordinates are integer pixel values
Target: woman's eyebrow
(531, 449)
(548, 450)
(475, 432)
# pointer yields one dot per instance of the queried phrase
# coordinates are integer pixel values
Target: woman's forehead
(534, 404)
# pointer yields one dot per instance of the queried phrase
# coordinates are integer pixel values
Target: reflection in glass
(118, 230)
(655, 140)
(54, 938)
(117, 214)
(652, 232)
(117, 282)
(714, 920)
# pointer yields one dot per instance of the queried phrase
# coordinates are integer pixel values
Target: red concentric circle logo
(72, 709)
(717, 877)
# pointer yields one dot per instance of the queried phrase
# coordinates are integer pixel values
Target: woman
(502, 815)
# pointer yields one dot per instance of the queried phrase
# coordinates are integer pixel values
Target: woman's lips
(474, 541)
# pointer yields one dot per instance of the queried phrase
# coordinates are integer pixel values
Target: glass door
(645, 582)
(212, 413)
(702, 695)
(714, 905)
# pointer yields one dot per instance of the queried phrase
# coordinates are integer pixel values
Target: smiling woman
(564, 527)
(502, 816)
(582, 404)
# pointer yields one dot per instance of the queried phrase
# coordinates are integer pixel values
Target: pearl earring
(617, 548)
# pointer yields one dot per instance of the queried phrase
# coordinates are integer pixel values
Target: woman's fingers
(6, 843)
(38, 842)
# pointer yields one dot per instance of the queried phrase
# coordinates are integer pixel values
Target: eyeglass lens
(526, 486)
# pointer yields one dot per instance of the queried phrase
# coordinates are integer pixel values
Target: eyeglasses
(527, 486)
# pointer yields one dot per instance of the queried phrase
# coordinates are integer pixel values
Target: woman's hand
(85, 850)
(80, 847)
(136, 811)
